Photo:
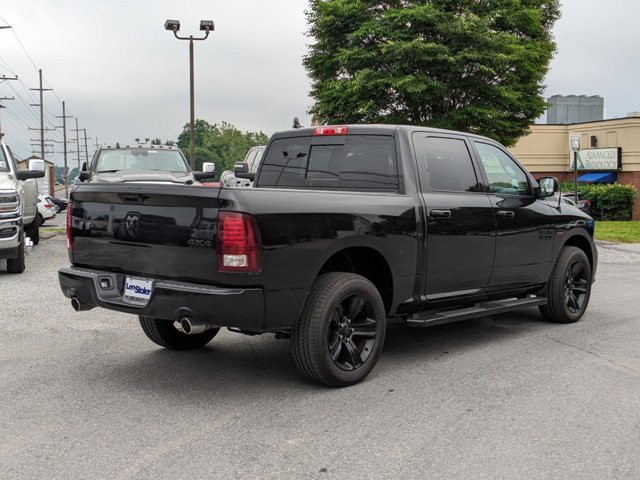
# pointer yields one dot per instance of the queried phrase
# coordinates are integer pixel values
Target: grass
(625, 232)
(53, 229)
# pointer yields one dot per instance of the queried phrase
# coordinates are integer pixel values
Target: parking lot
(87, 395)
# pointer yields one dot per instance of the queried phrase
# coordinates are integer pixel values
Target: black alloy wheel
(352, 332)
(340, 333)
(569, 287)
(576, 286)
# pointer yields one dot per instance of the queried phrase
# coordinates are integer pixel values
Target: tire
(56, 207)
(569, 287)
(17, 265)
(163, 333)
(33, 232)
(340, 333)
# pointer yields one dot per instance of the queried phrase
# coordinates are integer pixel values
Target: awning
(598, 177)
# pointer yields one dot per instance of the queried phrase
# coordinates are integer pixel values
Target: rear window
(362, 162)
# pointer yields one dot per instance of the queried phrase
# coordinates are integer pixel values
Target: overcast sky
(124, 76)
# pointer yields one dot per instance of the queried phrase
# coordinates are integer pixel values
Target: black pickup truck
(347, 228)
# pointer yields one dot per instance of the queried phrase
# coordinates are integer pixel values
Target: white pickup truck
(19, 227)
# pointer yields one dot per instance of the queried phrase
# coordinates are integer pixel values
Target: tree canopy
(471, 65)
(222, 144)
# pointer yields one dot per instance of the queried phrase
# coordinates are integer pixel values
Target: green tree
(222, 144)
(471, 65)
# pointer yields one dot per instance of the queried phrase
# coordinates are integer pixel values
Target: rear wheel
(166, 334)
(17, 265)
(569, 287)
(340, 333)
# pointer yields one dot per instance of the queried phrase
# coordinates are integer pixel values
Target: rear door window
(360, 162)
(449, 165)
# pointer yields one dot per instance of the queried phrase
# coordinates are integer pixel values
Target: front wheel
(569, 287)
(165, 334)
(17, 265)
(339, 336)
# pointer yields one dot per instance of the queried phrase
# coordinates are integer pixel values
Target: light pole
(206, 26)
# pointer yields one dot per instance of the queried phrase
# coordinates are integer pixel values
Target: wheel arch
(369, 263)
(583, 244)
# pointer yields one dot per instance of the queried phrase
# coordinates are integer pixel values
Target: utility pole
(77, 130)
(3, 78)
(41, 105)
(86, 148)
(2, 106)
(64, 135)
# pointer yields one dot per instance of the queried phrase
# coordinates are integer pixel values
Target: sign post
(575, 147)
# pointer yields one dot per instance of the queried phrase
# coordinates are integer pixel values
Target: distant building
(46, 185)
(564, 110)
(610, 152)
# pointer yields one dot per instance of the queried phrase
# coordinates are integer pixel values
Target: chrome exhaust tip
(191, 327)
(78, 306)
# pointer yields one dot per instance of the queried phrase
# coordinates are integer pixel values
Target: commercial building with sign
(609, 152)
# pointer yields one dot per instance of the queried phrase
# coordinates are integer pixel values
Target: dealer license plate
(137, 291)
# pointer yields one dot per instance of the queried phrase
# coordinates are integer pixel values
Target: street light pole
(206, 26)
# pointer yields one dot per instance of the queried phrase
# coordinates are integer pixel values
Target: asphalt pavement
(87, 395)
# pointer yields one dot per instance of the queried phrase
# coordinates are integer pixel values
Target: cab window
(504, 174)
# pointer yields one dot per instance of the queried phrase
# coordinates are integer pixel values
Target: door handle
(506, 213)
(440, 213)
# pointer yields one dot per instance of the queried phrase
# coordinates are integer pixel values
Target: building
(46, 185)
(564, 110)
(610, 152)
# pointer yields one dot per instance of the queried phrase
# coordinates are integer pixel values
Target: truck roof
(369, 129)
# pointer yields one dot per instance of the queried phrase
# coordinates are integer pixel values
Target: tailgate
(151, 230)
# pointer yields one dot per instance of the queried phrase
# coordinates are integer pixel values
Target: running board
(428, 319)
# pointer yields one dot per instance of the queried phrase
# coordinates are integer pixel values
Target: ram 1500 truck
(19, 220)
(347, 227)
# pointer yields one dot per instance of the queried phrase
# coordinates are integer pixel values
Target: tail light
(238, 243)
(69, 232)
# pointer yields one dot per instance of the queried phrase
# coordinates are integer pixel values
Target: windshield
(4, 166)
(137, 159)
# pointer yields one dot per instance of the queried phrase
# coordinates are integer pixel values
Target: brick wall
(632, 178)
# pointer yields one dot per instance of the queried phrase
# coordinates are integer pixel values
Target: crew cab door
(524, 224)
(460, 225)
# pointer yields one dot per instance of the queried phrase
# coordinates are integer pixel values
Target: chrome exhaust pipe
(78, 306)
(191, 327)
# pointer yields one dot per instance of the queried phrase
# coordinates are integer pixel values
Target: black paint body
(420, 260)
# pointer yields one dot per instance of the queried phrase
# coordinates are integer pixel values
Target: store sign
(601, 159)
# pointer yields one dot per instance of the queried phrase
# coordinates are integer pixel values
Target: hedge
(610, 202)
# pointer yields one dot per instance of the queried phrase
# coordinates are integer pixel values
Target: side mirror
(36, 165)
(36, 170)
(241, 170)
(84, 174)
(209, 167)
(548, 187)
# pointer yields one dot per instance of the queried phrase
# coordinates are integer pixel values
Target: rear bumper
(226, 307)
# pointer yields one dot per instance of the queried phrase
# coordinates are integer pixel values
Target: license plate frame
(137, 291)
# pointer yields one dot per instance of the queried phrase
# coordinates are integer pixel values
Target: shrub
(610, 202)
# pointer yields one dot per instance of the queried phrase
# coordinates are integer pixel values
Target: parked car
(249, 165)
(46, 208)
(583, 203)
(346, 227)
(59, 203)
(19, 226)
